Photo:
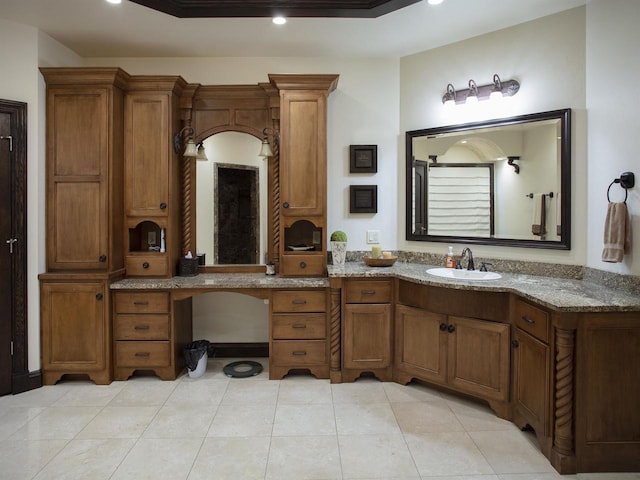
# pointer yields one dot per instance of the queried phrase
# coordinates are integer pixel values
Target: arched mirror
(231, 201)
(499, 182)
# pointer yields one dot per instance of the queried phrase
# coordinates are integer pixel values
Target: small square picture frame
(363, 199)
(363, 158)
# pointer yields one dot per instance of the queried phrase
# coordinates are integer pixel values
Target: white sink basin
(463, 274)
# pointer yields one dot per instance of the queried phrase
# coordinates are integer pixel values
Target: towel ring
(627, 180)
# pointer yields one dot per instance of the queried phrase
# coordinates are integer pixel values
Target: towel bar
(627, 180)
(530, 195)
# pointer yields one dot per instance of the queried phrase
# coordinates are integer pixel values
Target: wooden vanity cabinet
(456, 338)
(531, 367)
(150, 332)
(152, 174)
(367, 331)
(298, 337)
(75, 329)
(303, 172)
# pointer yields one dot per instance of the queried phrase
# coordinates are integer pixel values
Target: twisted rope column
(334, 335)
(563, 441)
(275, 181)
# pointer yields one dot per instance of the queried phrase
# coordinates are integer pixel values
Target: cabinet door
(367, 336)
(478, 357)
(421, 343)
(74, 327)
(303, 153)
(147, 142)
(77, 164)
(531, 380)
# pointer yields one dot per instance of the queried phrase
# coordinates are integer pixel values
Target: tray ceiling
(269, 8)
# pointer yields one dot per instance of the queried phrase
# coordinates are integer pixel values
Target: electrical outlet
(373, 236)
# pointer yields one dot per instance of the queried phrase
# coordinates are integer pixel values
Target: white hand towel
(617, 233)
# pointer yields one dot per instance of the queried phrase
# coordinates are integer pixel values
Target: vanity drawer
(298, 301)
(143, 354)
(146, 266)
(532, 320)
(294, 327)
(302, 265)
(142, 327)
(142, 302)
(368, 291)
(294, 353)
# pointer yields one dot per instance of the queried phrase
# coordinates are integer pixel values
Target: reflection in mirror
(231, 200)
(501, 182)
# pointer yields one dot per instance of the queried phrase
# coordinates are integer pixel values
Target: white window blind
(459, 201)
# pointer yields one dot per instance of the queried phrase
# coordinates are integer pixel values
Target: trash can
(195, 357)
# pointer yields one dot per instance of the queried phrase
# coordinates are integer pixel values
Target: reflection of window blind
(459, 201)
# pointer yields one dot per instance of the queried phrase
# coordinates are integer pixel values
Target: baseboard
(238, 350)
(23, 382)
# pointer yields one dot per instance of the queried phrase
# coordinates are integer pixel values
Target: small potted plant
(338, 247)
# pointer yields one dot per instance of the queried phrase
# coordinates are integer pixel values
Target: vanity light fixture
(449, 97)
(499, 88)
(434, 2)
(115, 2)
(511, 161)
(279, 20)
(189, 145)
(472, 95)
(202, 155)
(265, 149)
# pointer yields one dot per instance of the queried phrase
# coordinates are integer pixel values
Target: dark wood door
(14, 370)
(6, 235)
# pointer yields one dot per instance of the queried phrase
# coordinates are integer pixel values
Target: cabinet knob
(145, 265)
(285, 205)
(367, 292)
(528, 320)
(163, 206)
(298, 326)
(515, 343)
(141, 327)
(443, 327)
(299, 354)
(451, 328)
(142, 354)
(303, 264)
(99, 296)
(102, 258)
(299, 302)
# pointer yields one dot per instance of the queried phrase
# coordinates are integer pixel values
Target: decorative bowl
(380, 262)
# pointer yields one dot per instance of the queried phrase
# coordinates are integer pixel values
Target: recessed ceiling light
(435, 2)
(114, 1)
(279, 20)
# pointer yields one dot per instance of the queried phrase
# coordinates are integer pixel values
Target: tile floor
(298, 428)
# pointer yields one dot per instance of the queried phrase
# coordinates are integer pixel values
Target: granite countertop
(219, 280)
(558, 294)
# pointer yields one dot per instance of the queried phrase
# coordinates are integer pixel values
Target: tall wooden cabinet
(303, 172)
(152, 175)
(85, 173)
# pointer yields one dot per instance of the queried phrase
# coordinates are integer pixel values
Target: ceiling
(95, 28)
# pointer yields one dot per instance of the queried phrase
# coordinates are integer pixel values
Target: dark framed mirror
(520, 196)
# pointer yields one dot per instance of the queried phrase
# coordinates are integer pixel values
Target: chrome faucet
(470, 264)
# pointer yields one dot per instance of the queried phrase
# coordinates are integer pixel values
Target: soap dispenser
(450, 260)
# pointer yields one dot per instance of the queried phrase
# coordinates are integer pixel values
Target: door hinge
(10, 138)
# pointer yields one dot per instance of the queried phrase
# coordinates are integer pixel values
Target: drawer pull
(141, 303)
(528, 320)
(515, 343)
(299, 302)
(299, 353)
(99, 296)
(298, 326)
(368, 292)
(142, 354)
(451, 328)
(443, 327)
(141, 327)
(303, 264)
(145, 265)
